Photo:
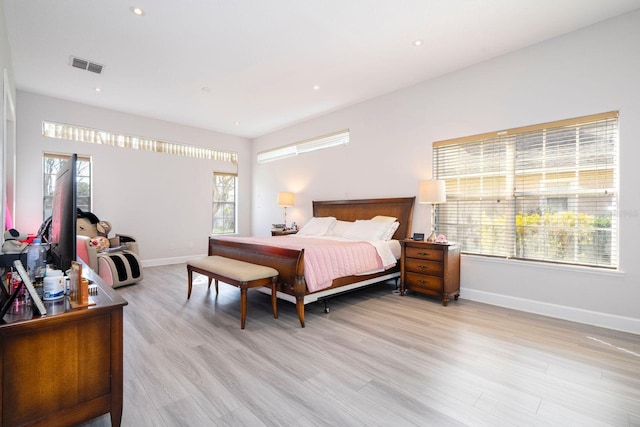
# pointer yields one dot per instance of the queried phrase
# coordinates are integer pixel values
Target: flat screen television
(64, 215)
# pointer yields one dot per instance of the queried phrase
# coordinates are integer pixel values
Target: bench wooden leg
(190, 282)
(243, 304)
(274, 297)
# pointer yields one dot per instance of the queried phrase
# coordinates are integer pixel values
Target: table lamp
(285, 200)
(433, 191)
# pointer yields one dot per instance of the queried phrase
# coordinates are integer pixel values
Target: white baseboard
(168, 261)
(605, 320)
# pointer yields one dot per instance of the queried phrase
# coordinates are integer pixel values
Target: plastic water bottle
(36, 261)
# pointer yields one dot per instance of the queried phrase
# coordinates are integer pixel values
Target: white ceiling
(248, 67)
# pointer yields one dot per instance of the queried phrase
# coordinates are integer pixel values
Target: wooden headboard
(351, 210)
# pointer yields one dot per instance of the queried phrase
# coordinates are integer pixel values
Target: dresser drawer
(424, 253)
(434, 268)
(419, 282)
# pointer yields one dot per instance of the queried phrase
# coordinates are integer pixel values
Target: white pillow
(366, 230)
(318, 226)
(388, 235)
(339, 228)
(382, 218)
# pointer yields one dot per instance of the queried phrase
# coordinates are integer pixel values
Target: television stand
(63, 368)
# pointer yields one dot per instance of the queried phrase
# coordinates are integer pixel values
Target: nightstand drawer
(434, 268)
(420, 281)
(424, 253)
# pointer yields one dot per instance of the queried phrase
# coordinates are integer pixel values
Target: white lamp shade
(285, 199)
(432, 191)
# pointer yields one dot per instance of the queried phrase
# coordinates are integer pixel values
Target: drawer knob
(423, 282)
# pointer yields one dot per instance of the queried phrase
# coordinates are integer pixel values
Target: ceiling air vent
(86, 65)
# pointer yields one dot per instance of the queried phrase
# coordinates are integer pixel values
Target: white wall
(593, 70)
(7, 125)
(5, 52)
(161, 199)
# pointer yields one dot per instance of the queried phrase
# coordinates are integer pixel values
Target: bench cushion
(232, 268)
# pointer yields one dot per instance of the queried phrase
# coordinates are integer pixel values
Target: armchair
(114, 259)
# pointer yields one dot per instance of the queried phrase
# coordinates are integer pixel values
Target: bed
(292, 285)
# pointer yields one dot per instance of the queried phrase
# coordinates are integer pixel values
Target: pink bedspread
(325, 259)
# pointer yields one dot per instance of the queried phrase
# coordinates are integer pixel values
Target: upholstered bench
(242, 274)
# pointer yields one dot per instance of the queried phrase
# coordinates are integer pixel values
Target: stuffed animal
(12, 244)
(100, 243)
(88, 224)
(104, 227)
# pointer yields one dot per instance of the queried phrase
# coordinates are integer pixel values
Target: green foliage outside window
(554, 236)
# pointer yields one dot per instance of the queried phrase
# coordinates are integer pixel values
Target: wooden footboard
(288, 262)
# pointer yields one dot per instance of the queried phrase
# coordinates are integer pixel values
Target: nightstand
(278, 232)
(431, 269)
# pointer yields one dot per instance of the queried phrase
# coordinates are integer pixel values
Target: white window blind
(547, 192)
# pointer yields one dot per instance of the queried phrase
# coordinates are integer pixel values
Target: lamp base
(432, 237)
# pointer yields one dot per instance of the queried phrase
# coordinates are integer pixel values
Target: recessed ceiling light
(97, 89)
(237, 123)
(316, 87)
(417, 43)
(137, 11)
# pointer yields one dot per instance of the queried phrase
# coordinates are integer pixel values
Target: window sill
(547, 265)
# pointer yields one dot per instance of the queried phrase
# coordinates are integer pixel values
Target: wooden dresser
(65, 367)
(431, 269)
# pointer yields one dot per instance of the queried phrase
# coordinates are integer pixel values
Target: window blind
(546, 192)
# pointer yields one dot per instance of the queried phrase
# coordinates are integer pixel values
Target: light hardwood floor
(377, 359)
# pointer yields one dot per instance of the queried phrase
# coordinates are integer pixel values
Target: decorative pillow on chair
(100, 243)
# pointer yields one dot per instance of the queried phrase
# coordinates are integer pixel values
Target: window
(307, 146)
(547, 192)
(114, 139)
(51, 163)
(224, 203)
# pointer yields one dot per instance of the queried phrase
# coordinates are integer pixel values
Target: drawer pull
(423, 253)
(423, 282)
(423, 267)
